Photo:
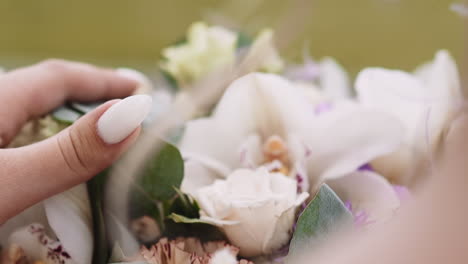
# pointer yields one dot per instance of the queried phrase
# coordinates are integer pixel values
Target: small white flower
(256, 209)
(207, 48)
(223, 256)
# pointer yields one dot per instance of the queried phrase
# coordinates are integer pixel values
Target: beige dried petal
(185, 251)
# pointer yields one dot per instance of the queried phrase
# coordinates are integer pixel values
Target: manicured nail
(121, 119)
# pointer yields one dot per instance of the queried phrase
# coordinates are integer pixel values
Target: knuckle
(54, 65)
(73, 151)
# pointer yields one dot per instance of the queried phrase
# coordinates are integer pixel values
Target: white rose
(255, 209)
(207, 48)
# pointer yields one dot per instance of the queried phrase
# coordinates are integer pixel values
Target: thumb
(33, 173)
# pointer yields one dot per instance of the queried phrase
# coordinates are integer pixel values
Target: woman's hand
(33, 173)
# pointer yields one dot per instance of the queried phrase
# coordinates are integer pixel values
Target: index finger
(34, 91)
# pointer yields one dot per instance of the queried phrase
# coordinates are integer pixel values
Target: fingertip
(122, 118)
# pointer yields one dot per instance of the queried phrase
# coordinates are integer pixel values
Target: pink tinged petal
(368, 192)
(308, 71)
(347, 137)
(69, 215)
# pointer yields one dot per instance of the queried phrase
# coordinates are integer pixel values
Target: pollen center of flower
(275, 149)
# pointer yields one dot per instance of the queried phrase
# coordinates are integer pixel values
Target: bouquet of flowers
(258, 160)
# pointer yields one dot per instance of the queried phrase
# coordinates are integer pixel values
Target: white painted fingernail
(121, 119)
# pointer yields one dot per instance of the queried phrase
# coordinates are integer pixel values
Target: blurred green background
(359, 33)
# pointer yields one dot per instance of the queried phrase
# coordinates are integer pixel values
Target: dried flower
(190, 251)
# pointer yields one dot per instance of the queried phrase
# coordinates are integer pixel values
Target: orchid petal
(69, 215)
(347, 137)
(264, 103)
(220, 141)
(441, 77)
(369, 192)
(196, 176)
(38, 246)
(34, 214)
(334, 80)
(394, 92)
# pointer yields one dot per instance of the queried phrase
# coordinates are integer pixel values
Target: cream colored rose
(255, 208)
(206, 49)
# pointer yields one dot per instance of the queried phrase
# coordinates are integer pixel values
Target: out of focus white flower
(264, 41)
(423, 101)
(206, 49)
(209, 48)
(256, 209)
(460, 8)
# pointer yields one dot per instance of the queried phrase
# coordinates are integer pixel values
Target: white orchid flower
(59, 230)
(264, 120)
(423, 101)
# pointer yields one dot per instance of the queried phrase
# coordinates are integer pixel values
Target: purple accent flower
(348, 206)
(361, 217)
(309, 71)
(366, 167)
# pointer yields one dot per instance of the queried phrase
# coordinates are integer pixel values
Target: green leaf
(323, 216)
(170, 80)
(185, 220)
(184, 205)
(95, 190)
(85, 108)
(163, 173)
(243, 40)
(66, 115)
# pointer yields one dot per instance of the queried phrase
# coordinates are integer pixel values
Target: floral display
(288, 155)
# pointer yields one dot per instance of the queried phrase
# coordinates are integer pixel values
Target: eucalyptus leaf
(66, 114)
(163, 173)
(323, 216)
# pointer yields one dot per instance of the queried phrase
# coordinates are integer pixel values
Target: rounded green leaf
(324, 215)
